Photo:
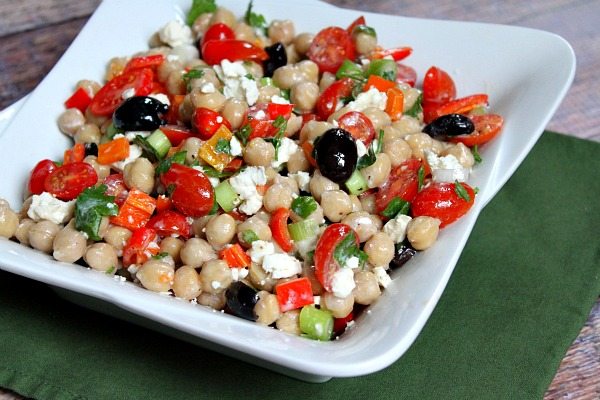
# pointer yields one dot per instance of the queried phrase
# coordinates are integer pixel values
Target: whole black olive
(241, 300)
(450, 125)
(403, 253)
(336, 155)
(91, 149)
(139, 113)
(277, 58)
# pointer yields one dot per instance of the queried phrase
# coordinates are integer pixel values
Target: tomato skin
(403, 182)
(218, 31)
(325, 264)
(215, 51)
(457, 106)
(438, 87)
(330, 47)
(487, 127)
(406, 74)
(360, 127)
(151, 61)
(109, 97)
(278, 225)
(261, 117)
(140, 246)
(68, 181)
(399, 53)
(328, 100)
(115, 186)
(207, 122)
(440, 200)
(193, 195)
(38, 175)
(175, 133)
(167, 223)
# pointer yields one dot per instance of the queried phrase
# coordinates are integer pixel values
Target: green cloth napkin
(520, 293)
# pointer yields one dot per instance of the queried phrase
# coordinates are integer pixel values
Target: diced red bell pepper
(294, 294)
(279, 228)
(235, 256)
(80, 100)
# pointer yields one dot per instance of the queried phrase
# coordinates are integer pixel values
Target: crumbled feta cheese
(446, 168)
(279, 100)
(132, 134)
(305, 246)
(175, 33)
(370, 98)
(235, 81)
(302, 179)
(317, 300)
(352, 262)
(235, 147)
(232, 69)
(260, 115)
(237, 274)
(260, 249)
(213, 181)
(127, 93)
(208, 87)
(361, 149)
(342, 282)
(382, 276)
(285, 150)
(244, 185)
(215, 284)
(396, 228)
(135, 152)
(281, 265)
(46, 206)
(250, 90)
(163, 98)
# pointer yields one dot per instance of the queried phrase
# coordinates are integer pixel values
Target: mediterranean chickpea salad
(269, 174)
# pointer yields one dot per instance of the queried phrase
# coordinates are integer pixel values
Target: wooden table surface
(35, 33)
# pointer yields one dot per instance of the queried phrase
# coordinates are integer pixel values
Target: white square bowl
(525, 72)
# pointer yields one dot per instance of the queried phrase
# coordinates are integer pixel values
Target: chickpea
(326, 80)
(101, 257)
(215, 276)
(186, 284)
(139, 174)
(313, 129)
(255, 69)
(26, 204)
(410, 96)
(407, 125)
(115, 66)
(88, 133)
(102, 170)
(191, 146)
(156, 275)
(175, 83)
(380, 119)
(259, 278)
(367, 288)
(213, 101)
(9, 220)
(292, 55)
(390, 133)
(368, 203)
(319, 184)
(289, 322)
(285, 77)
(278, 196)
(166, 67)
(265, 93)
(422, 232)
(117, 237)
(363, 224)
(90, 87)
(266, 308)
(201, 24)
(215, 301)
(339, 307)
(259, 152)
(69, 245)
(336, 204)
(41, 235)
(302, 42)
(282, 31)
(186, 110)
(220, 230)
(172, 246)
(298, 162)
(187, 53)
(196, 252)
(377, 173)
(365, 43)
(309, 71)
(419, 143)
(304, 95)
(356, 205)
(256, 225)
(199, 226)
(397, 150)
(207, 83)
(234, 111)
(70, 121)
(22, 232)
(462, 153)
(294, 124)
(245, 32)
(380, 249)
(224, 16)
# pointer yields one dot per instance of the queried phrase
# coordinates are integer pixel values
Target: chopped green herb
(476, 190)
(416, 108)
(110, 270)
(348, 69)
(476, 155)
(364, 29)
(214, 209)
(244, 133)
(303, 206)
(198, 8)
(421, 176)
(147, 150)
(255, 20)
(461, 191)
(379, 146)
(281, 124)
(91, 205)
(310, 257)
(223, 146)
(395, 207)
(164, 165)
(192, 74)
(347, 249)
(160, 255)
(374, 148)
(213, 173)
(249, 236)
(249, 76)
(170, 189)
(285, 93)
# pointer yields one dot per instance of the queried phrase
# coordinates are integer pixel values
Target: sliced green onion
(476, 155)
(226, 196)
(249, 236)
(302, 230)
(357, 183)
(159, 142)
(316, 323)
(350, 70)
(461, 191)
(303, 206)
(387, 69)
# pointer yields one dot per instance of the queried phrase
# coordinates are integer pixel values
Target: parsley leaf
(165, 165)
(255, 20)
(91, 205)
(223, 146)
(395, 207)
(416, 108)
(303, 206)
(192, 74)
(249, 236)
(374, 148)
(281, 124)
(160, 255)
(198, 8)
(244, 133)
(461, 191)
(147, 150)
(110, 270)
(476, 155)
(213, 173)
(421, 177)
(364, 29)
(347, 249)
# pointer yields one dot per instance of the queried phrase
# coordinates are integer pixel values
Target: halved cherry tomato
(140, 247)
(328, 100)
(68, 181)
(261, 117)
(80, 100)
(218, 31)
(176, 133)
(399, 53)
(207, 122)
(406, 74)
(115, 186)
(438, 87)
(279, 228)
(339, 324)
(325, 264)
(403, 182)
(440, 200)
(294, 294)
(358, 21)
(358, 125)
(458, 106)
(38, 175)
(330, 48)
(151, 61)
(215, 51)
(75, 154)
(109, 96)
(487, 126)
(193, 195)
(168, 223)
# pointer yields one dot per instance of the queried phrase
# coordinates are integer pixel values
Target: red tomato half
(152, 61)
(487, 126)
(438, 87)
(330, 48)
(406, 74)
(193, 195)
(68, 181)
(176, 133)
(458, 106)
(328, 100)
(109, 96)
(39, 174)
(140, 247)
(215, 51)
(403, 182)
(440, 200)
(115, 186)
(399, 53)
(167, 223)
(360, 127)
(325, 264)
(218, 31)
(207, 122)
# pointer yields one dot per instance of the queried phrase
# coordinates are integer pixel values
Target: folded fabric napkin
(519, 295)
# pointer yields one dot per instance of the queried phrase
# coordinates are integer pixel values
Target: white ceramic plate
(525, 72)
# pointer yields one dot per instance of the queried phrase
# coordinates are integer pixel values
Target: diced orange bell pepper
(136, 211)
(235, 256)
(378, 83)
(395, 103)
(115, 150)
(209, 153)
(76, 154)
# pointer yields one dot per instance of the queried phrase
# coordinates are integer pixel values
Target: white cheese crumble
(382, 276)
(396, 228)
(46, 206)
(281, 265)
(352, 262)
(237, 274)
(235, 147)
(163, 98)
(284, 152)
(317, 300)
(132, 134)
(208, 87)
(361, 149)
(244, 185)
(135, 152)
(236, 83)
(302, 179)
(260, 249)
(279, 100)
(127, 93)
(215, 284)
(176, 33)
(213, 181)
(370, 98)
(446, 168)
(342, 282)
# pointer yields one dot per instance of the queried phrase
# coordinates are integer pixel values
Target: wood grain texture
(35, 33)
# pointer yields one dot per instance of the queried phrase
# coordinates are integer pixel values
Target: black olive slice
(450, 125)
